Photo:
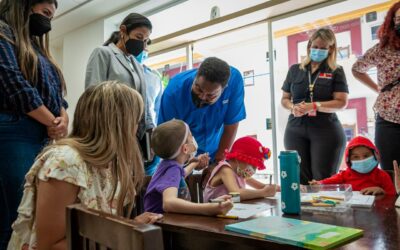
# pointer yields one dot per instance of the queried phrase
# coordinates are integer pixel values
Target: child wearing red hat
(246, 156)
(362, 159)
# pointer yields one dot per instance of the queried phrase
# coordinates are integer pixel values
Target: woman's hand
(147, 218)
(59, 129)
(299, 110)
(396, 176)
(306, 107)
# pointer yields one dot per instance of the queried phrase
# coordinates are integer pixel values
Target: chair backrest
(194, 182)
(139, 199)
(90, 229)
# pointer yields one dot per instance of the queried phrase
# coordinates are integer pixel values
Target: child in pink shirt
(246, 156)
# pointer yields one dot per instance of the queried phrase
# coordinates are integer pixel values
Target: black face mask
(39, 24)
(397, 29)
(134, 46)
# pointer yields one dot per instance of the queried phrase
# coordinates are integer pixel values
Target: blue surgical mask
(318, 55)
(364, 166)
(142, 56)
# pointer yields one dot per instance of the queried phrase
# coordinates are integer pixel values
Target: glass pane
(204, 11)
(168, 64)
(355, 24)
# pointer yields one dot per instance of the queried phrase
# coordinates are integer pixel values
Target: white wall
(77, 47)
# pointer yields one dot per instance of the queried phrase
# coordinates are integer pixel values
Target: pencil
(234, 217)
(331, 197)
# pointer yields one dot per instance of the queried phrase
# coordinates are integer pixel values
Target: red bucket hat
(249, 150)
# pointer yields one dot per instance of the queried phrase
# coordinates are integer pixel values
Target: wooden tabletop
(381, 225)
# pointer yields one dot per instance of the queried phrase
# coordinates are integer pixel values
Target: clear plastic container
(332, 198)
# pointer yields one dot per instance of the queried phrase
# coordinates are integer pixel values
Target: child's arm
(52, 199)
(189, 168)
(229, 180)
(171, 203)
(270, 189)
(335, 179)
(198, 163)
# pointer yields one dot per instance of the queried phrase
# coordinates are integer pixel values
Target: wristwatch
(318, 104)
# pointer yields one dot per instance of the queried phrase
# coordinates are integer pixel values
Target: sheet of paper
(360, 200)
(244, 211)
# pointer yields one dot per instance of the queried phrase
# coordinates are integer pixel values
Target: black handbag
(390, 86)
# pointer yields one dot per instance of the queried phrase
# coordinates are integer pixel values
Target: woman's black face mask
(39, 24)
(134, 46)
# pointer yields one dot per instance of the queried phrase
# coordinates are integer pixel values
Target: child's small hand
(372, 190)
(396, 176)
(303, 188)
(147, 218)
(269, 190)
(203, 161)
(224, 207)
(313, 182)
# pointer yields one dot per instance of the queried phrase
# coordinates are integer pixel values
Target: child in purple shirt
(167, 191)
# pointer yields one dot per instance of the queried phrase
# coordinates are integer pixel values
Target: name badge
(225, 101)
(325, 75)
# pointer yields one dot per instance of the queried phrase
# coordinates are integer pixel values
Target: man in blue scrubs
(211, 101)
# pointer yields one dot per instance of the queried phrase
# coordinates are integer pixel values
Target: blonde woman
(32, 107)
(94, 166)
(313, 91)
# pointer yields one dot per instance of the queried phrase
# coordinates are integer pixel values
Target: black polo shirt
(328, 81)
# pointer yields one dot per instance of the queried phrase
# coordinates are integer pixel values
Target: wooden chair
(194, 182)
(139, 200)
(94, 230)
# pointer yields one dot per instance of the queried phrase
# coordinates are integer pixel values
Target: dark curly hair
(214, 70)
(386, 33)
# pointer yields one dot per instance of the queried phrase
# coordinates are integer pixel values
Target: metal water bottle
(290, 181)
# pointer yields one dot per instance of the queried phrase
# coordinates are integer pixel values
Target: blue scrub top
(206, 123)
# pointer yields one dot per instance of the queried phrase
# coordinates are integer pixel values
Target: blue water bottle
(290, 181)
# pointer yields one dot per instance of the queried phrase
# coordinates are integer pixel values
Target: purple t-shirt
(169, 173)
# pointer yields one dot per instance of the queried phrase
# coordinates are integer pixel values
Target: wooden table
(381, 225)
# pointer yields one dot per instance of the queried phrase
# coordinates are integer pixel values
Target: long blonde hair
(104, 132)
(16, 14)
(327, 36)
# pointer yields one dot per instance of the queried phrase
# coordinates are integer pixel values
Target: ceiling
(73, 14)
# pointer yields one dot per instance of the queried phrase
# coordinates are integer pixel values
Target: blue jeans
(21, 139)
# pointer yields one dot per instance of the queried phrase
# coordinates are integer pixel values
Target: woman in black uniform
(313, 91)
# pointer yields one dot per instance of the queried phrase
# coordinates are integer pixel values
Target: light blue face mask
(318, 55)
(364, 166)
(142, 56)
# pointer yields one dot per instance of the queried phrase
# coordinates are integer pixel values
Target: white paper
(360, 200)
(244, 211)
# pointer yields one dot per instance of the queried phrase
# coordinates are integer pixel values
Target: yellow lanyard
(311, 85)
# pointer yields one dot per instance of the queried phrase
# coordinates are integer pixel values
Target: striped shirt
(18, 95)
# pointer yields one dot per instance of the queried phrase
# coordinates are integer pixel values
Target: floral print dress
(387, 62)
(62, 163)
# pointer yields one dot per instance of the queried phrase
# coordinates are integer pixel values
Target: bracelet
(291, 107)
(314, 105)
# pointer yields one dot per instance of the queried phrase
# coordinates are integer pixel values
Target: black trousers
(320, 142)
(387, 140)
